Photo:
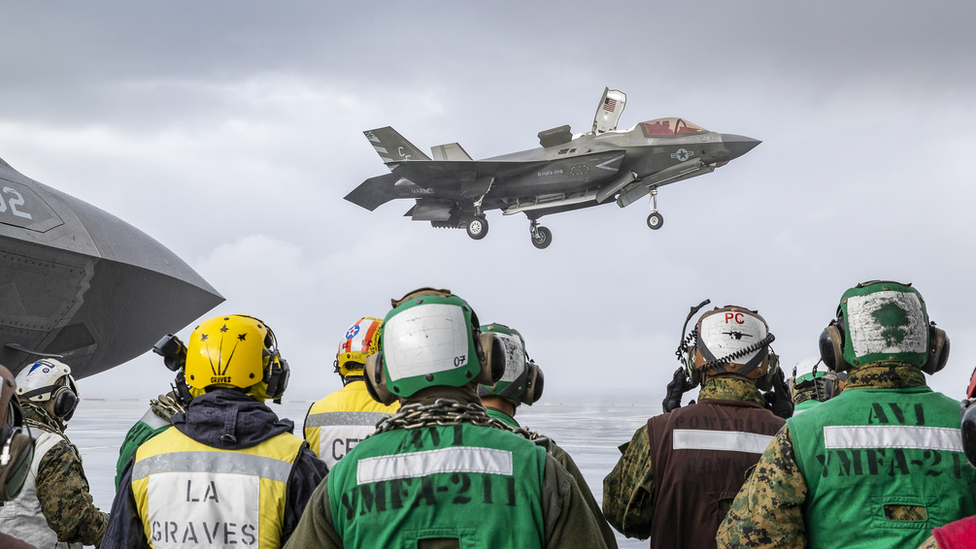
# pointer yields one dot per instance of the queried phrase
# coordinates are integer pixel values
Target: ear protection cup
(831, 386)
(765, 383)
(492, 361)
(832, 347)
(969, 433)
(276, 375)
(536, 384)
(938, 350)
(182, 390)
(65, 402)
(376, 380)
(16, 453)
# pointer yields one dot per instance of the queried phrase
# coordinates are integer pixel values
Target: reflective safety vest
(479, 485)
(189, 494)
(883, 467)
(22, 517)
(339, 421)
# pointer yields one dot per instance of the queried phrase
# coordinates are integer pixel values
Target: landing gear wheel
(478, 228)
(542, 238)
(655, 221)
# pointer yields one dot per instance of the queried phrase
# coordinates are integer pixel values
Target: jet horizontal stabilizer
(375, 191)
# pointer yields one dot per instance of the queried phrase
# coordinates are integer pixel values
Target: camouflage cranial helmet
(360, 340)
(429, 339)
(883, 320)
(522, 380)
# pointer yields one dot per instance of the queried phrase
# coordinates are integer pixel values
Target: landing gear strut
(478, 227)
(541, 236)
(654, 221)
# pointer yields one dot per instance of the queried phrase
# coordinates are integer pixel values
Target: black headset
(832, 347)
(65, 398)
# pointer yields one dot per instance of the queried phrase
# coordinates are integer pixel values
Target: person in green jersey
(879, 465)
(812, 383)
(441, 472)
(522, 383)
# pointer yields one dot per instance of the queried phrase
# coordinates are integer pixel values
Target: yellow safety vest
(339, 421)
(188, 493)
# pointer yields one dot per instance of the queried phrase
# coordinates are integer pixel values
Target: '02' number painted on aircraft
(550, 172)
(17, 201)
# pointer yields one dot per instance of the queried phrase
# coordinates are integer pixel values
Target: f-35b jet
(569, 172)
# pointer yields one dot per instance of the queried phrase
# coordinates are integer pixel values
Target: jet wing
(439, 173)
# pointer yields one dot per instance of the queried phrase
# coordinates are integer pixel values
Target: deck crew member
(55, 507)
(438, 474)
(229, 472)
(335, 424)
(879, 465)
(16, 450)
(679, 473)
(523, 383)
(812, 383)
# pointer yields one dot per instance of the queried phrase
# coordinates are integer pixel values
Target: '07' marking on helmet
(351, 333)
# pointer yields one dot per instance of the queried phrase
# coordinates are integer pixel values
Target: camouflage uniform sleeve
(65, 501)
(629, 489)
(767, 511)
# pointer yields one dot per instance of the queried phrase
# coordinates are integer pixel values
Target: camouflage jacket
(62, 487)
(628, 490)
(768, 511)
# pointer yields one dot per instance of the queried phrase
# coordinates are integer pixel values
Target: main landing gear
(541, 236)
(654, 221)
(478, 227)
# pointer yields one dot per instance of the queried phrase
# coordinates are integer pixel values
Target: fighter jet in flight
(82, 285)
(569, 172)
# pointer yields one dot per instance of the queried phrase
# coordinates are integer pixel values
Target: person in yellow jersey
(230, 472)
(335, 424)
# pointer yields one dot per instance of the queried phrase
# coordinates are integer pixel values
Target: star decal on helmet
(241, 337)
(203, 337)
(223, 328)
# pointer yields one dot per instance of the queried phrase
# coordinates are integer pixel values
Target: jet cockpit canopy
(665, 127)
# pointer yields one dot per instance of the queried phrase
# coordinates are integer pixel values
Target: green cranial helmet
(430, 340)
(522, 380)
(884, 320)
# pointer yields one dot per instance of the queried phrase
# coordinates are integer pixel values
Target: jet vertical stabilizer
(393, 148)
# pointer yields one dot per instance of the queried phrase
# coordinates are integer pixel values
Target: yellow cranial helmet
(229, 351)
(360, 340)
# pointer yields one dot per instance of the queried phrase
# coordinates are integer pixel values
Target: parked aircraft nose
(738, 145)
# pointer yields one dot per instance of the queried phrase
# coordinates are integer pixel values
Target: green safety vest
(866, 451)
(479, 485)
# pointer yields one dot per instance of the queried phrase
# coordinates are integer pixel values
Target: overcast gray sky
(230, 131)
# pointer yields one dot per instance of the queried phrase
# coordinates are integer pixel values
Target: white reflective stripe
(730, 441)
(213, 462)
(446, 460)
(345, 418)
(893, 436)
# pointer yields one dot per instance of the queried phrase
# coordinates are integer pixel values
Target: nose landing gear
(654, 221)
(541, 236)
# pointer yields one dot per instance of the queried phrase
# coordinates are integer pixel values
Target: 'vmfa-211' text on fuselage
(569, 171)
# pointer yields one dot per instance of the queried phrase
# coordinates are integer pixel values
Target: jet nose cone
(738, 145)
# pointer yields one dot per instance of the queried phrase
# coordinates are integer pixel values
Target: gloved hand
(679, 385)
(778, 398)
